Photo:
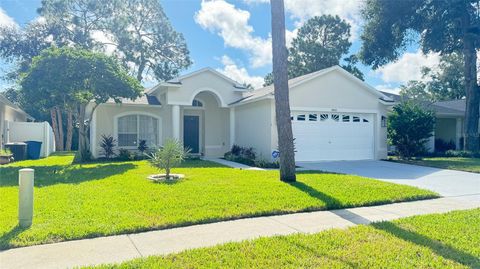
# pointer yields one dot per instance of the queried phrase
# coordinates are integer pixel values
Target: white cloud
(106, 39)
(6, 20)
(239, 74)
(231, 24)
(301, 11)
(408, 67)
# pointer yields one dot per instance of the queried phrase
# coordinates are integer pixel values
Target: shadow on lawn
(317, 253)
(437, 247)
(330, 202)
(7, 237)
(51, 175)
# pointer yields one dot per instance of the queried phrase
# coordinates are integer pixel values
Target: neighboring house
(335, 116)
(9, 112)
(17, 126)
(449, 120)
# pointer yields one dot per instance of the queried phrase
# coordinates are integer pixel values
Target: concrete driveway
(445, 182)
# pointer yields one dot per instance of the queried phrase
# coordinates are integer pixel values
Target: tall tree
(320, 43)
(137, 32)
(146, 40)
(84, 78)
(444, 82)
(280, 84)
(441, 26)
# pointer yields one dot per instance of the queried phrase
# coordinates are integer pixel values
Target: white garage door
(333, 136)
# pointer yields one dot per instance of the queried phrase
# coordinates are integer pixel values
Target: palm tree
(280, 84)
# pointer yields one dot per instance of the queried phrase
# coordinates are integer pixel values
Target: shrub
(409, 128)
(461, 153)
(142, 146)
(170, 155)
(443, 146)
(126, 155)
(247, 156)
(108, 144)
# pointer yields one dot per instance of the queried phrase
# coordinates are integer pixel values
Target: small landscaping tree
(170, 155)
(142, 146)
(107, 144)
(409, 128)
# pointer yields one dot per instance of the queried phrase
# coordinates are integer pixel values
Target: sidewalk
(115, 249)
(233, 164)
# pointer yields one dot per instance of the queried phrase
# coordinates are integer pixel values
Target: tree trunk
(68, 144)
(280, 83)
(53, 116)
(61, 137)
(471, 139)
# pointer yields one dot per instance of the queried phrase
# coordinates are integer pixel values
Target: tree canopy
(320, 43)
(444, 82)
(409, 128)
(137, 32)
(440, 26)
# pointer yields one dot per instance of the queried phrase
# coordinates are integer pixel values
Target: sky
(234, 37)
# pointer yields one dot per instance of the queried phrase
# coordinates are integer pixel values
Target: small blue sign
(275, 154)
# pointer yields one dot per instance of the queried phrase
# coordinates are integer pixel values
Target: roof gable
(294, 82)
(209, 70)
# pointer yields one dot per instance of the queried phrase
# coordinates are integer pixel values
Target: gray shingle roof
(145, 99)
(453, 107)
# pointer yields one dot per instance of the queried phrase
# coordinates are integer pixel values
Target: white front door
(333, 136)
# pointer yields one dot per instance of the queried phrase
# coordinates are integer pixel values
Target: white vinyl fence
(32, 131)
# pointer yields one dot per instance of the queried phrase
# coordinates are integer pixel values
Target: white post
(232, 126)
(176, 121)
(25, 197)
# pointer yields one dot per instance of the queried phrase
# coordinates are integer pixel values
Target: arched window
(197, 103)
(134, 128)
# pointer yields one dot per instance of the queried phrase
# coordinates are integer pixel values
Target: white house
(335, 116)
(17, 126)
(9, 112)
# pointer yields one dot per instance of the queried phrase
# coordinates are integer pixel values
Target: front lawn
(80, 201)
(453, 163)
(450, 240)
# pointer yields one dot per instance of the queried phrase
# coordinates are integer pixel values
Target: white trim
(232, 127)
(218, 96)
(176, 122)
(124, 104)
(213, 146)
(143, 113)
(263, 97)
(334, 110)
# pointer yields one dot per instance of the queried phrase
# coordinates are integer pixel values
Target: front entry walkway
(445, 182)
(116, 249)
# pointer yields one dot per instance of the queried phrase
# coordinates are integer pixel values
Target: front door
(191, 133)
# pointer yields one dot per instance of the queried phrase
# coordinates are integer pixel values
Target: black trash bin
(18, 149)
(33, 149)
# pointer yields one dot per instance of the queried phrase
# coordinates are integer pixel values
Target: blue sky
(234, 36)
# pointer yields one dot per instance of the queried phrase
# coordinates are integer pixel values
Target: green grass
(449, 240)
(73, 201)
(453, 163)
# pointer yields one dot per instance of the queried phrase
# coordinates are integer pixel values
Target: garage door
(333, 136)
